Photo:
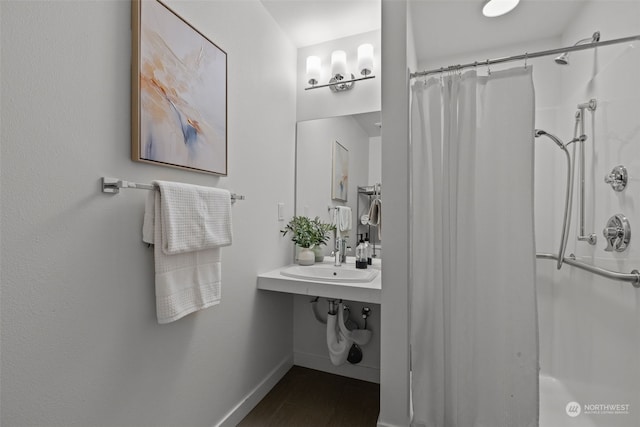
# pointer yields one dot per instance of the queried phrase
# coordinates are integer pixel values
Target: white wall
(375, 160)
(398, 57)
(80, 342)
(322, 102)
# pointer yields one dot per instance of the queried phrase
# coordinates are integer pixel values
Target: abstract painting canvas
(340, 181)
(179, 92)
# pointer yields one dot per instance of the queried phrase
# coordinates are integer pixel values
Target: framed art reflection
(340, 172)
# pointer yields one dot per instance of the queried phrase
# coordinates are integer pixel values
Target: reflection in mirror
(359, 134)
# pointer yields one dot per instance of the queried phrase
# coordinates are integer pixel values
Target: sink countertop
(364, 292)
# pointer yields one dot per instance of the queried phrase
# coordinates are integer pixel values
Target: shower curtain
(474, 341)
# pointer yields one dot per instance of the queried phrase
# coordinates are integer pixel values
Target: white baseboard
(381, 424)
(235, 415)
(323, 363)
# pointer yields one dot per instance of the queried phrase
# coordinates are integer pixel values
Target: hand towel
(148, 221)
(185, 281)
(375, 215)
(194, 217)
(345, 218)
(341, 218)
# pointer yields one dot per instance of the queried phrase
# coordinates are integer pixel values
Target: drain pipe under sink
(339, 338)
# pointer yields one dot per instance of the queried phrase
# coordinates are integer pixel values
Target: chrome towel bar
(633, 277)
(113, 186)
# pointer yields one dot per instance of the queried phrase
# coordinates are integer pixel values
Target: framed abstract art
(178, 92)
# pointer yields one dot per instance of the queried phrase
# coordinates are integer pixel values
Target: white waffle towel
(188, 224)
(341, 218)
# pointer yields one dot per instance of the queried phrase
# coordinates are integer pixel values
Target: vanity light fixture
(338, 70)
(493, 8)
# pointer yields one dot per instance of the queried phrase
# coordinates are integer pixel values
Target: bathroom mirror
(359, 135)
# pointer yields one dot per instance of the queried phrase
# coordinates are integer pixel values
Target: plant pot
(306, 256)
(319, 253)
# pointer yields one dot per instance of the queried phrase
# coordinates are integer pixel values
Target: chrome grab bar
(591, 106)
(633, 277)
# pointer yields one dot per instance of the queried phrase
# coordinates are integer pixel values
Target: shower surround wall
(591, 334)
(589, 326)
(80, 342)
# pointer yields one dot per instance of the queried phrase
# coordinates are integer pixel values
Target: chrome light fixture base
(337, 85)
(334, 82)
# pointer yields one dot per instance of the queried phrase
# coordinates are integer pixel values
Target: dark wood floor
(309, 398)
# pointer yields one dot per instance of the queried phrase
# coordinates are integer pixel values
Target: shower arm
(591, 106)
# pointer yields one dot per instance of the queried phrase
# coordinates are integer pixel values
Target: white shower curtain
(474, 345)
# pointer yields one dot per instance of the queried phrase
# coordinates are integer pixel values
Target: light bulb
(313, 70)
(338, 64)
(365, 59)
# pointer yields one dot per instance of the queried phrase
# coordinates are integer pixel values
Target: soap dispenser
(361, 254)
(367, 248)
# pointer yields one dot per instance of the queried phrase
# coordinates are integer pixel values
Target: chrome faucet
(344, 249)
(337, 251)
(340, 249)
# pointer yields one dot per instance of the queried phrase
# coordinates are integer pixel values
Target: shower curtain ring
(488, 68)
(526, 56)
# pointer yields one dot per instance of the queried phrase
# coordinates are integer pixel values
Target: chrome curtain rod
(113, 186)
(524, 56)
(633, 277)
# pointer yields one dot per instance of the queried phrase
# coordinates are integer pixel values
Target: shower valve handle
(613, 236)
(617, 233)
(618, 178)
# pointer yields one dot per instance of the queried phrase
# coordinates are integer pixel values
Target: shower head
(539, 132)
(564, 58)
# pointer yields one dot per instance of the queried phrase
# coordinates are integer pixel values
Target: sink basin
(329, 273)
(318, 280)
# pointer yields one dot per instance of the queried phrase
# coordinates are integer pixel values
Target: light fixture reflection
(365, 59)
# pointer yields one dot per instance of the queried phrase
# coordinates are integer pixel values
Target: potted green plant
(321, 232)
(302, 234)
(307, 234)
